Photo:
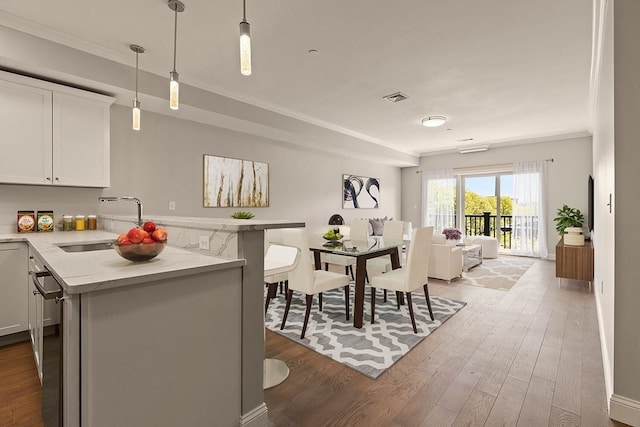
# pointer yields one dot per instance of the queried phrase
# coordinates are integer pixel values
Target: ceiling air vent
(396, 97)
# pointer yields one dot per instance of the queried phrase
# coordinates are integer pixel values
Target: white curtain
(438, 199)
(529, 225)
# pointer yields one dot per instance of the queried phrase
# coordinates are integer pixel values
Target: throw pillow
(378, 225)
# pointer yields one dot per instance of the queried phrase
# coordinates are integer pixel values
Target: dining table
(362, 250)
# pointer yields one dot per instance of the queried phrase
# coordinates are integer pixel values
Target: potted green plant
(569, 223)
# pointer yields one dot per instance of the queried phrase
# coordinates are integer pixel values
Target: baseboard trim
(257, 417)
(604, 343)
(625, 410)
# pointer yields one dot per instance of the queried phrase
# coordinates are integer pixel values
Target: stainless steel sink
(85, 247)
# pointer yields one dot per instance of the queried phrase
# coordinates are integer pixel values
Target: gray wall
(567, 175)
(627, 203)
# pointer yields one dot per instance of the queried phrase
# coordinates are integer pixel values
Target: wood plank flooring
(527, 357)
(19, 387)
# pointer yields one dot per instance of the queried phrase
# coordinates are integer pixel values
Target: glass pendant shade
(174, 91)
(136, 115)
(245, 49)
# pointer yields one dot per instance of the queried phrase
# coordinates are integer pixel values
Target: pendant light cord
(175, 35)
(244, 11)
(137, 75)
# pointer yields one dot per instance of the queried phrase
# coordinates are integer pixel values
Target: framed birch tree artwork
(235, 183)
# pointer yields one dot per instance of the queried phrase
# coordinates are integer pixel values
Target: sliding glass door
(485, 206)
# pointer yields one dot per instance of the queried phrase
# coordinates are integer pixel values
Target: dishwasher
(50, 347)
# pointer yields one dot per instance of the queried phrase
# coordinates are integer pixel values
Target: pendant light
(245, 43)
(174, 84)
(136, 104)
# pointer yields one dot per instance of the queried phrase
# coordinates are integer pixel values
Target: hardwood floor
(19, 387)
(526, 357)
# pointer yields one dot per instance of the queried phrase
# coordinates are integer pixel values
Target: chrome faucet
(129, 198)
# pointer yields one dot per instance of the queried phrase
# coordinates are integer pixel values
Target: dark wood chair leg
(272, 290)
(351, 271)
(426, 295)
(286, 309)
(320, 301)
(385, 295)
(346, 300)
(306, 315)
(398, 299)
(286, 286)
(326, 266)
(413, 319)
(373, 305)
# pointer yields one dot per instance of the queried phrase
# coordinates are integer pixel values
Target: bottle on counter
(67, 223)
(92, 222)
(80, 223)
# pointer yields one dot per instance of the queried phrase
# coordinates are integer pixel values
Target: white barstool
(278, 261)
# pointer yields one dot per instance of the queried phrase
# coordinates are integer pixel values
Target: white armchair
(445, 261)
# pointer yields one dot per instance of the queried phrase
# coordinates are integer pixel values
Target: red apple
(159, 235)
(149, 226)
(123, 239)
(148, 247)
(137, 234)
(147, 240)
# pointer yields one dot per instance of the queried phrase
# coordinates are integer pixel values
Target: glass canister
(80, 224)
(92, 222)
(67, 223)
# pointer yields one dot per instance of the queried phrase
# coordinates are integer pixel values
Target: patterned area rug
(499, 273)
(372, 349)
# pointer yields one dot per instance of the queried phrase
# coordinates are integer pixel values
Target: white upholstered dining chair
(408, 278)
(308, 281)
(392, 232)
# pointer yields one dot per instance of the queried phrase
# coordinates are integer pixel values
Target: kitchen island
(160, 342)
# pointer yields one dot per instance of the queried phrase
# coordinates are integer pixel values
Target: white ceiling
(501, 71)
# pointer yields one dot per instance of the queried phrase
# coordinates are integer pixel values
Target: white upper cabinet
(53, 134)
(25, 143)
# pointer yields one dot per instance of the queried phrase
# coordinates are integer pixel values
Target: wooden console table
(574, 262)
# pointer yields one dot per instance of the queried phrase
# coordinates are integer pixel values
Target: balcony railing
(485, 225)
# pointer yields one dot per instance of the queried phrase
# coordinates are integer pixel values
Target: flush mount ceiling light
(245, 43)
(474, 149)
(174, 84)
(434, 121)
(136, 104)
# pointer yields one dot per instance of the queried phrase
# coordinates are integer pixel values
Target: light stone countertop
(228, 224)
(90, 271)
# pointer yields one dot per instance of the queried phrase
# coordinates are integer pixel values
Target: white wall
(604, 182)
(567, 175)
(164, 161)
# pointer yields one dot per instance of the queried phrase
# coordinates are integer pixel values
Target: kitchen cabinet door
(26, 123)
(53, 134)
(14, 282)
(81, 154)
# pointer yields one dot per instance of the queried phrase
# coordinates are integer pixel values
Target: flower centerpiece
(453, 235)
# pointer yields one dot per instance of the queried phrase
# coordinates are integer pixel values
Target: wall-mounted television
(590, 206)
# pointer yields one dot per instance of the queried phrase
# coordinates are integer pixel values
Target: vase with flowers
(452, 235)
